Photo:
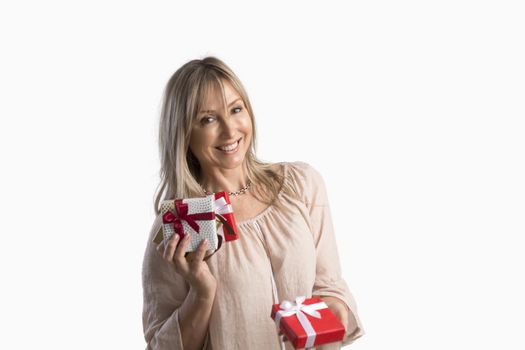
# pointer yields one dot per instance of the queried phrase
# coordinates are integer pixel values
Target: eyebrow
(212, 111)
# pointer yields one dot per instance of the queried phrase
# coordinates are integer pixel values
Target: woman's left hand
(341, 311)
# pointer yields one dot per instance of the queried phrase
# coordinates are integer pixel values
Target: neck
(218, 179)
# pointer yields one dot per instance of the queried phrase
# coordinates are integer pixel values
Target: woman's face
(220, 137)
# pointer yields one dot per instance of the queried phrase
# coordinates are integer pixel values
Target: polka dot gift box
(190, 216)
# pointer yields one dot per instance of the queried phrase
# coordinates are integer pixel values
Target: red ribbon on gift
(181, 214)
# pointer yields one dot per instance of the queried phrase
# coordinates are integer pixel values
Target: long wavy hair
(183, 97)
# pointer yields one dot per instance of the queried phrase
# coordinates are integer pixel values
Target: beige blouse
(280, 254)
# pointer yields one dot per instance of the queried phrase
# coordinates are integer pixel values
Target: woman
(286, 246)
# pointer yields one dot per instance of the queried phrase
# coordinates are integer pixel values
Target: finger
(181, 250)
(201, 251)
(170, 248)
(341, 314)
(344, 321)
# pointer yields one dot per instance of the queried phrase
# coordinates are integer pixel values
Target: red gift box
(224, 213)
(307, 322)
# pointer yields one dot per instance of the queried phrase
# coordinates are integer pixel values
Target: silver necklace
(236, 193)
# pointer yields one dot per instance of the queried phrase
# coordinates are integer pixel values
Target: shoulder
(303, 172)
(306, 180)
(294, 168)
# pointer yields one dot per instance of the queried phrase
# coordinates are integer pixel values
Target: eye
(207, 120)
(239, 108)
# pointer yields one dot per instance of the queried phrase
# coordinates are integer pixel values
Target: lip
(229, 143)
(224, 152)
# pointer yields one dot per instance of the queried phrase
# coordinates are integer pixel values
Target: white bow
(288, 308)
(222, 207)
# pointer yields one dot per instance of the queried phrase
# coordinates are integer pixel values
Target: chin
(232, 162)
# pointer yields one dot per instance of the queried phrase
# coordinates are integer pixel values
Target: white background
(411, 110)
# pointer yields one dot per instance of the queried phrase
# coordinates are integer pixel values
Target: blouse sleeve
(164, 290)
(328, 281)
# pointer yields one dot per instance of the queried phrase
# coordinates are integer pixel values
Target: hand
(192, 267)
(341, 311)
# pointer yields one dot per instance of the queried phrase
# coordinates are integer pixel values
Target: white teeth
(229, 147)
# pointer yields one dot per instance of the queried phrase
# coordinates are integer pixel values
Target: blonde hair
(183, 97)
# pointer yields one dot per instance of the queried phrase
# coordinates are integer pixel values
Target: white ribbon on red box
(222, 207)
(288, 308)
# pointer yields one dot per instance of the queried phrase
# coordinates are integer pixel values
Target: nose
(228, 128)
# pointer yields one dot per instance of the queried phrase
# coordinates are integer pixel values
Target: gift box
(189, 216)
(307, 322)
(227, 227)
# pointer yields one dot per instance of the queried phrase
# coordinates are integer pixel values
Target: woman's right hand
(192, 267)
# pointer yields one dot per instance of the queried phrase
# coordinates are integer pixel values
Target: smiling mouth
(231, 147)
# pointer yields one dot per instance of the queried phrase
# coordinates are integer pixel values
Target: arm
(329, 283)
(194, 317)
(175, 316)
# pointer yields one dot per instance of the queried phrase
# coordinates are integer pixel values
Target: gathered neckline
(269, 208)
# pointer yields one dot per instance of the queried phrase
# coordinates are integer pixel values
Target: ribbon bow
(223, 207)
(288, 308)
(181, 214)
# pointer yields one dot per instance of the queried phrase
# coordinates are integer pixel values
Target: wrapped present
(227, 227)
(189, 216)
(307, 322)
